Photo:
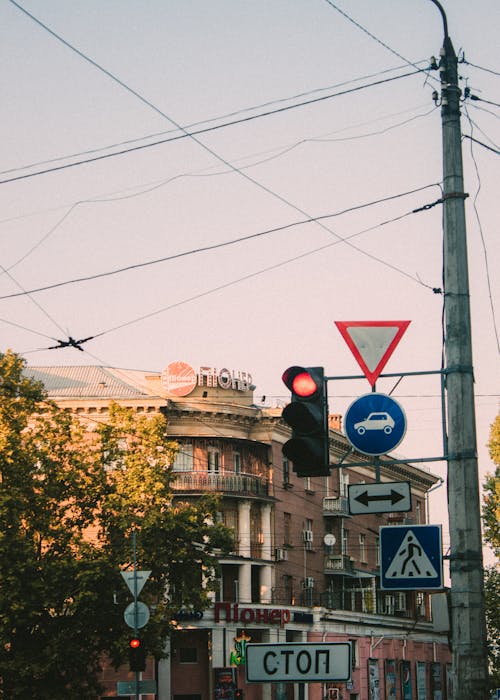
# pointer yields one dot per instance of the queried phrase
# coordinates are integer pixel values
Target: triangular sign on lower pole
(372, 343)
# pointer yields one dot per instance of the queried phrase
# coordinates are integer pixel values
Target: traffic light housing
(307, 415)
(136, 655)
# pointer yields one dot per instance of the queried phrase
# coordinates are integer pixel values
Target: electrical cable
(372, 36)
(204, 121)
(256, 273)
(487, 70)
(190, 134)
(483, 242)
(203, 173)
(214, 246)
(196, 140)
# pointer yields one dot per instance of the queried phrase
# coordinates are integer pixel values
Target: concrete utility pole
(468, 624)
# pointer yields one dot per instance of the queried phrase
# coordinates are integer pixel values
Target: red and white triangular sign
(372, 343)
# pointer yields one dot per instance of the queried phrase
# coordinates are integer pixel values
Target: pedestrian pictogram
(411, 557)
(372, 343)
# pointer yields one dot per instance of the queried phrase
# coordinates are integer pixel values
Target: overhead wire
(215, 246)
(117, 195)
(191, 125)
(256, 273)
(189, 134)
(196, 140)
(483, 241)
(370, 34)
(207, 172)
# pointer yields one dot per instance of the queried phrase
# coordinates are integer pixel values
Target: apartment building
(303, 569)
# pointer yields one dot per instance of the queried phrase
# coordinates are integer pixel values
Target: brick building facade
(302, 568)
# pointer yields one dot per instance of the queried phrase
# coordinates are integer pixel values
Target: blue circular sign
(375, 424)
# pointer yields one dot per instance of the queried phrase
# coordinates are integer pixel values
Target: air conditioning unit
(307, 535)
(308, 582)
(281, 554)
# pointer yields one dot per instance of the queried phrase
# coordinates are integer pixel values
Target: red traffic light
(303, 382)
(136, 655)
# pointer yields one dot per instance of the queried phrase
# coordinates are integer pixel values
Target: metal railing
(237, 484)
(338, 562)
(338, 505)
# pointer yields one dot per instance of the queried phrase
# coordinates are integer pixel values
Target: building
(302, 570)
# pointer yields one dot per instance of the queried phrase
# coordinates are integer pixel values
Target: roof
(83, 381)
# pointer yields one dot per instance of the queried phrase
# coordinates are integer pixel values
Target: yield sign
(372, 343)
(135, 580)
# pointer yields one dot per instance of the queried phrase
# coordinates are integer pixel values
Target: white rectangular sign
(381, 497)
(306, 662)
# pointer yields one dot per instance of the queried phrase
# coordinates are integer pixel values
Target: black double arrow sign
(394, 497)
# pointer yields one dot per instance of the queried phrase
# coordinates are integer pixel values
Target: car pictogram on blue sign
(375, 424)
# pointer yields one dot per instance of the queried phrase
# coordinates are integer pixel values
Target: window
(418, 512)
(287, 525)
(188, 655)
(237, 462)
(362, 547)
(344, 483)
(286, 471)
(377, 551)
(345, 538)
(213, 457)
(354, 652)
(183, 461)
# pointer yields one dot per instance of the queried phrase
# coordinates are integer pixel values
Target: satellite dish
(329, 540)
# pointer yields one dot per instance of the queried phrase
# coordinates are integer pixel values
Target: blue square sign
(411, 557)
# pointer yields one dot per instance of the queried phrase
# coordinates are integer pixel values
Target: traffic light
(136, 655)
(307, 414)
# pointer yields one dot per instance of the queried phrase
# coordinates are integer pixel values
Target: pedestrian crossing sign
(411, 557)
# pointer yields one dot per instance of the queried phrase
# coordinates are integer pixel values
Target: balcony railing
(336, 506)
(230, 483)
(338, 563)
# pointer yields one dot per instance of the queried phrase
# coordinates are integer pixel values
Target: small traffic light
(307, 414)
(136, 655)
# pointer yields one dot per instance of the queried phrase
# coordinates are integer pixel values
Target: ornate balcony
(339, 564)
(338, 505)
(227, 483)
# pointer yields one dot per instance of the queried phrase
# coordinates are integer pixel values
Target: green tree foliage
(492, 592)
(491, 508)
(70, 499)
(491, 523)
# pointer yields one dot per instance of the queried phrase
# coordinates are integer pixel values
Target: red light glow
(304, 385)
(135, 643)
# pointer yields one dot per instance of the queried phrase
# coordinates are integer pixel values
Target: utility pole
(468, 623)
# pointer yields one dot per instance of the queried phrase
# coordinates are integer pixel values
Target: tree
(491, 508)
(491, 523)
(70, 499)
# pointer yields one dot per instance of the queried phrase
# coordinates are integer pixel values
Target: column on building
(244, 528)
(245, 583)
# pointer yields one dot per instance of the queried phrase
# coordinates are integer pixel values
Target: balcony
(227, 483)
(336, 506)
(339, 564)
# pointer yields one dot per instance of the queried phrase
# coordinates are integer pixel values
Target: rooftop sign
(180, 379)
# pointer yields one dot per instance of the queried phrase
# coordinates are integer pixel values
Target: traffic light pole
(136, 624)
(468, 626)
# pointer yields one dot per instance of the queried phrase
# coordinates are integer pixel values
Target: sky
(297, 110)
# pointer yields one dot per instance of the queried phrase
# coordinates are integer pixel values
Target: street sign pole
(134, 540)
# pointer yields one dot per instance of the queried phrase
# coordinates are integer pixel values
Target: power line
(192, 134)
(275, 266)
(205, 121)
(214, 246)
(203, 173)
